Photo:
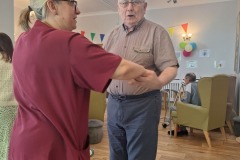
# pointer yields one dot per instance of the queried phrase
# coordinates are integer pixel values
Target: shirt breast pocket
(143, 56)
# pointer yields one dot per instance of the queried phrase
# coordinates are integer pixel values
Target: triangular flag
(171, 31)
(92, 36)
(185, 27)
(102, 37)
(82, 33)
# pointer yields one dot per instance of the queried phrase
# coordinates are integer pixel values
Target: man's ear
(52, 7)
(145, 7)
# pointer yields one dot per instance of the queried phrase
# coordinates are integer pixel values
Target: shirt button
(116, 86)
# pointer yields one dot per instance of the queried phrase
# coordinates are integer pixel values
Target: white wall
(97, 24)
(17, 29)
(6, 17)
(238, 5)
(237, 99)
(213, 27)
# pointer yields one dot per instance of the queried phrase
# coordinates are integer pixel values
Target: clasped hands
(148, 79)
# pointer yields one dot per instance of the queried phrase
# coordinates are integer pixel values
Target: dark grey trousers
(133, 126)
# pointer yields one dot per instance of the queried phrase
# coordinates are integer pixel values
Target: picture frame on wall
(237, 47)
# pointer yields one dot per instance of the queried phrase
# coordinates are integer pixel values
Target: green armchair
(213, 92)
(97, 108)
(97, 105)
(230, 103)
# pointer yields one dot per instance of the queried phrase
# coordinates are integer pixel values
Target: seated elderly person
(190, 96)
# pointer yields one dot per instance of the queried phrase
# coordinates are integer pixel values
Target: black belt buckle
(121, 97)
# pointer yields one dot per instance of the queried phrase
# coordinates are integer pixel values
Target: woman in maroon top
(54, 71)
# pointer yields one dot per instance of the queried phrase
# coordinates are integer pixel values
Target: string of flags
(170, 31)
(187, 47)
(93, 35)
(172, 28)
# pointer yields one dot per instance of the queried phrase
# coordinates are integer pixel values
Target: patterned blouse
(6, 86)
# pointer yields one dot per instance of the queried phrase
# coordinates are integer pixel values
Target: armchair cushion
(190, 115)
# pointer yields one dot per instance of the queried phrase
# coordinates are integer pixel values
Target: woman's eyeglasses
(72, 3)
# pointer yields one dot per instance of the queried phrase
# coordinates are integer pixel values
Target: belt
(124, 97)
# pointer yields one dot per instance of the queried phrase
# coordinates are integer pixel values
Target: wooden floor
(191, 147)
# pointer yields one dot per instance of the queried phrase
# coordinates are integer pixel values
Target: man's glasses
(134, 3)
(72, 3)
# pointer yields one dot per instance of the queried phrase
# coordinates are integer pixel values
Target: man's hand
(148, 79)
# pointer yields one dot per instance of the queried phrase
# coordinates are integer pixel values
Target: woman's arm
(128, 70)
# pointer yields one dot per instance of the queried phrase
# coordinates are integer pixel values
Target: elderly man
(133, 110)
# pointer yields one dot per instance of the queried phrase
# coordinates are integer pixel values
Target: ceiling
(93, 7)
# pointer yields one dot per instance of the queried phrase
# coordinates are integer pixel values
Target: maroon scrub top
(54, 71)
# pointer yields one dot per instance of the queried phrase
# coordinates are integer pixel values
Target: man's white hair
(140, 0)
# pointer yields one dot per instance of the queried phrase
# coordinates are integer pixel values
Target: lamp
(186, 36)
(187, 45)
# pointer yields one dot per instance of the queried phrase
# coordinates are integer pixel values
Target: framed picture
(237, 49)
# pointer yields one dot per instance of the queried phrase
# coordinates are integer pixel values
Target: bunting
(102, 37)
(171, 31)
(172, 28)
(185, 27)
(92, 35)
(82, 33)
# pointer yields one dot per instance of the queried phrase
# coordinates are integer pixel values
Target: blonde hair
(39, 8)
